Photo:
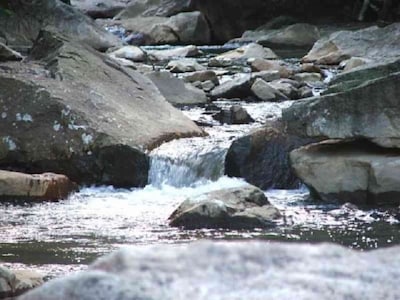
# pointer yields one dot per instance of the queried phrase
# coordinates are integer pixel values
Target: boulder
(373, 43)
(236, 114)
(202, 76)
(175, 90)
(266, 75)
(184, 65)
(47, 186)
(147, 8)
(307, 77)
(357, 172)
(258, 65)
(132, 53)
(167, 54)
(237, 87)
(262, 158)
(232, 270)
(183, 28)
(251, 50)
(265, 92)
(15, 282)
(7, 53)
(369, 110)
(299, 35)
(235, 208)
(73, 111)
(286, 87)
(353, 63)
(22, 27)
(100, 8)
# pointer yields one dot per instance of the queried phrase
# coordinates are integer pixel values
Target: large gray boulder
(358, 172)
(374, 43)
(147, 8)
(22, 27)
(369, 110)
(80, 114)
(235, 208)
(262, 158)
(234, 271)
(237, 87)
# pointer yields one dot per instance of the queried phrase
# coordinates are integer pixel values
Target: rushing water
(60, 237)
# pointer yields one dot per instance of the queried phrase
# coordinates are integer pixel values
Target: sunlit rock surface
(216, 270)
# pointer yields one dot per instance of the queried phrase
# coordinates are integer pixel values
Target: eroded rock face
(47, 186)
(82, 115)
(262, 158)
(234, 208)
(373, 43)
(232, 271)
(370, 111)
(357, 172)
(22, 27)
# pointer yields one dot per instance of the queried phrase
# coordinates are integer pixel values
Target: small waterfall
(187, 162)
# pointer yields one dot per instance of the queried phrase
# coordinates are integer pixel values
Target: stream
(60, 237)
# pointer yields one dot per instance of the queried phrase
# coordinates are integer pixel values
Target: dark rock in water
(47, 186)
(82, 115)
(234, 208)
(369, 110)
(262, 158)
(232, 271)
(234, 115)
(22, 26)
(357, 172)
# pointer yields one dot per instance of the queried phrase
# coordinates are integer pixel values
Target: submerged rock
(232, 271)
(234, 208)
(262, 158)
(82, 115)
(47, 186)
(356, 172)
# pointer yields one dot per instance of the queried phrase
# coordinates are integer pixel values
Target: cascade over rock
(74, 111)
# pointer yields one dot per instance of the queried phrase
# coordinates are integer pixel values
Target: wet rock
(262, 158)
(357, 172)
(373, 43)
(291, 271)
(264, 91)
(22, 27)
(352, 113)
(187, 51)
(234, 115)
(80, 114)
(132, 53)
(237, 87)
(266, 75)
(47, 186)
(234, 208)
(175, 90)
(251, 50)
(15, 282)
(184, 65)
(270, 65)
(147, 8)
(307, 77)
(7, 53)
(206, 75)
(300, 35)
(286, 87)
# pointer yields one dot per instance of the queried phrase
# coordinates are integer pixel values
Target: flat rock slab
(47, 186)
(234, 208)
(232, 271)
(357, 172)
